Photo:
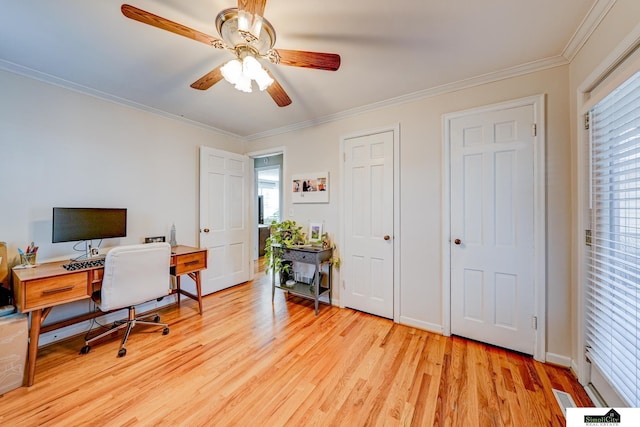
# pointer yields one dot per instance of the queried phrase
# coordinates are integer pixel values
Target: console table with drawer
(313, 288)
(37, 290)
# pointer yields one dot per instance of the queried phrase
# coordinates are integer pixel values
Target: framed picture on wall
(310, 188)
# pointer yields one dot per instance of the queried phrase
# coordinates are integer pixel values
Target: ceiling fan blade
(277, 93)
(301, 58)
(149, 18)
(208, 80)
(254, 7)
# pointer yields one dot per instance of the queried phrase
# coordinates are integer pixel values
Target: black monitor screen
(75, 224)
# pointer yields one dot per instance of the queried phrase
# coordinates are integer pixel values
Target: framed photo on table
(315, 232)
(310, 187)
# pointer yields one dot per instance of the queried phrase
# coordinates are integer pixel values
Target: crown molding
(507, 73)
(588, 25)
(85, 90)
(596, 14)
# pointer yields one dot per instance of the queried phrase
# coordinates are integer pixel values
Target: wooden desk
(37, 290)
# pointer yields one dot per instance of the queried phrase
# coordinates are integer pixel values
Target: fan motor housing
(227, 26)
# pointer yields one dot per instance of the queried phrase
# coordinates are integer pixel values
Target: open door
(224, 218)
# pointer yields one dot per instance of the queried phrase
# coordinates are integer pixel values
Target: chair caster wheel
(122, 352)
(165, 331)
(156, 319)
(86, 349)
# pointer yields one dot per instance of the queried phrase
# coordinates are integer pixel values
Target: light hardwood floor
(248, 363)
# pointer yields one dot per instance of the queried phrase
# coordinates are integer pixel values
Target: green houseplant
(287, 234)
(284, 234)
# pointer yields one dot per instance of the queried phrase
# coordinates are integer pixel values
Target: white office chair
(133, 275)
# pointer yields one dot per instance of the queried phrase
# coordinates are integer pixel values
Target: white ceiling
(389, 49)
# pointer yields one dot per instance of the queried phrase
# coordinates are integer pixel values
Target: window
(612, 330)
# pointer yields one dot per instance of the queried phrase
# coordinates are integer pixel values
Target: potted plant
(284, 234)
(327, 243)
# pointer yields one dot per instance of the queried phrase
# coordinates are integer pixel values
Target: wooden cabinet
(314, 288)
(263, 234)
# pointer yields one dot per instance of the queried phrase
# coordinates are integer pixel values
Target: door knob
(206, 230)
(457, 241)
(386, 237)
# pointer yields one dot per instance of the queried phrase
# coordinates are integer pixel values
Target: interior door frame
(253, 191)
(539, 168)
(395, 129)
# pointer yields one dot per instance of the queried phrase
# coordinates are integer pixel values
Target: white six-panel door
(492, 227)
(224, 218)
(368, 247)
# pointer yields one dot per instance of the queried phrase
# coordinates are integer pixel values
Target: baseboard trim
(557, 359)
(83, 327)
(415, 323)
(595, 397)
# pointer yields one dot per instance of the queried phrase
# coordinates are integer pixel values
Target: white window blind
(613, 273)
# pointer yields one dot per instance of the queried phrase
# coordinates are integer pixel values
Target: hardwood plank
(248, 362)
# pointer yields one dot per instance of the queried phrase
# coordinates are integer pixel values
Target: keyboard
(80, 265)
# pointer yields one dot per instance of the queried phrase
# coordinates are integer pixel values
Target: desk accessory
(28, 258)
(172, 238)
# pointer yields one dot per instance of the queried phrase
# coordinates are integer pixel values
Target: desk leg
(198, 297)
(178, 287)
(34, 336)
(196, 277)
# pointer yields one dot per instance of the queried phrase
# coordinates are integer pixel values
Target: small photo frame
(315, 232)
(154, 239)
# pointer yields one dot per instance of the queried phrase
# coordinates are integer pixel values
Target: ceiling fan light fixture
(240, 73)
(264, 80)
(243, 85)
(232, 72)
(254, 71)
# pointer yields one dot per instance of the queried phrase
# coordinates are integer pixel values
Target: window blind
(612, 330)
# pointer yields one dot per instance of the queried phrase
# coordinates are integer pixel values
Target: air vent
(564, 400)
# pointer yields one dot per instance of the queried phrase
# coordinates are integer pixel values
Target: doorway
(494, 217)
(268, 197)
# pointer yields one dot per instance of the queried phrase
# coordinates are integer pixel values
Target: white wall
(59, 147)
(63, 148)
(420, 122)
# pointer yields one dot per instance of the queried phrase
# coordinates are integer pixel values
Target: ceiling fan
(245, 32)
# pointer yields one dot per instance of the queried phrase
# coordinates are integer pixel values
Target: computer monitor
(78, 224)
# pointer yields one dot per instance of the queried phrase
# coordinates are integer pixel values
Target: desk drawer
(187, 263)
(55, 290)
